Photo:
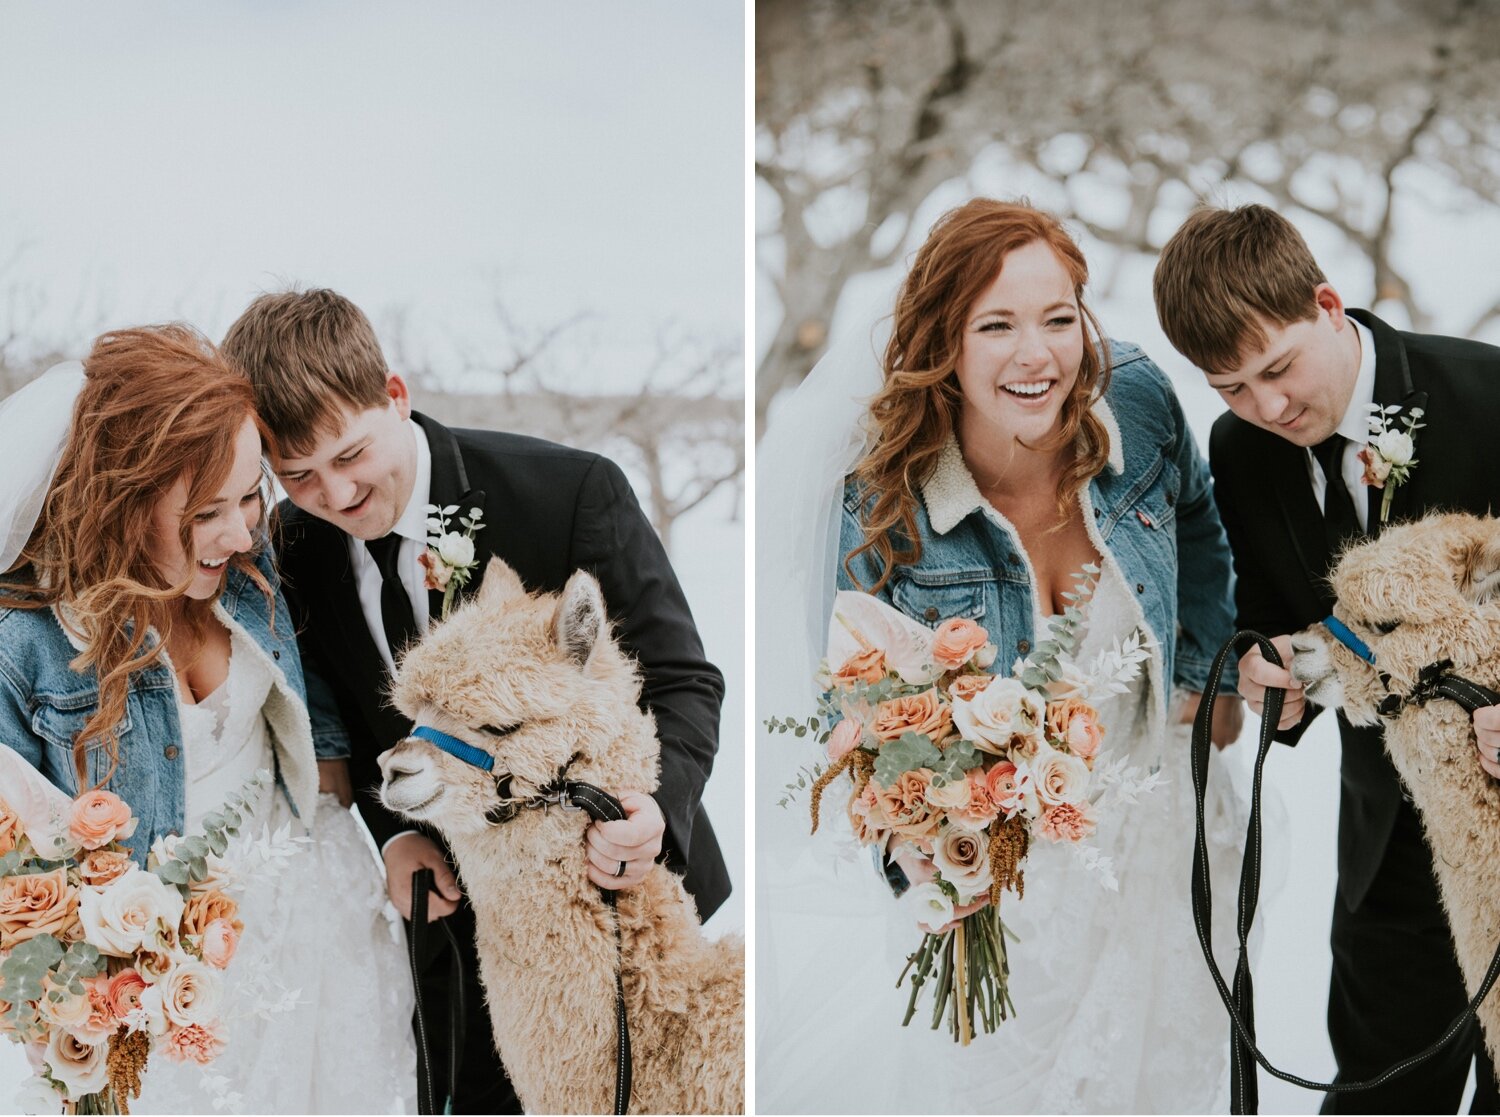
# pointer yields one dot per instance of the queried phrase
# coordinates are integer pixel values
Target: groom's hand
(1258, 674)
(1487, 738)
(404, 855)
(635, 840)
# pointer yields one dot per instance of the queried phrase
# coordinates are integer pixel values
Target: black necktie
(395, 605)
(1340, 523)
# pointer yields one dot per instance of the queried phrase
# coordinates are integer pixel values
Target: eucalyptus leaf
(218, 842)
(957, 759)
(907, 753)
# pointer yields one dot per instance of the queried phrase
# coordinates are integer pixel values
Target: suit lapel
(1393, 385)
(449, 487)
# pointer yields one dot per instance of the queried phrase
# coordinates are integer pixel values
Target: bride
(1009, 445)
(145, 646)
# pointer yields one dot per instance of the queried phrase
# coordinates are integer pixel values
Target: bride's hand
(333, 777)
(1229, 717)
(919, 870)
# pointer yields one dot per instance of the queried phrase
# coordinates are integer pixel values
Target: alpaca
(538, 682)
(1418, 593)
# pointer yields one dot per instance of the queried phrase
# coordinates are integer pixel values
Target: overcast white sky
(169, 160)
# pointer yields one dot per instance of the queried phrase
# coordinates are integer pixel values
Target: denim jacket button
(275, 653)
(1013, 558)
(170, 752)
(1023, 646)
(1140, 587)
(931, 613)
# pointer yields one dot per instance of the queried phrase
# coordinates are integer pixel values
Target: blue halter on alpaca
(1344, 636)
(454, 747)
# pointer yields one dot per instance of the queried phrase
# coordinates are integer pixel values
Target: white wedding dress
(318, 996)
(1115, 1009)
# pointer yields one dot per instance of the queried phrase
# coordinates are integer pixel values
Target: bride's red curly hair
(917, 409)
(159, 404)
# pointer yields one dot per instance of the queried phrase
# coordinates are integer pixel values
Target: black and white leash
(568, 794)
(1239, 1000)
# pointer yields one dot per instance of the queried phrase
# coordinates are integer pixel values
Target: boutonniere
(450, 559)
(1387, 457)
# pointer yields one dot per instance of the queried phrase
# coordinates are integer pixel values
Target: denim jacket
(1150, 513)
(44, 704)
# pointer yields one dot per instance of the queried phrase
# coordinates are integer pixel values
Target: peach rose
(966, 687)
(204, 908)
(438, 572)
(37, 904)
(865, 666)
(1377, 469)
(1004, 784)
(963, 857)
(101, 1022)
(124, 992)
(844, 737)
(950, 796)
(98, 867)
(10, 828)
(220, 940)
(867, 816)
(99, 817)
(955, 641)
(190, 993)
(907, 807)
(914, 713)
(1076, 724)
(1068, 822)
(79, 1066)
(195, 1043)
(69, 1011)
(980, 810)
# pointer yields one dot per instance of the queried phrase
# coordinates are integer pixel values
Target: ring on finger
(621, 870)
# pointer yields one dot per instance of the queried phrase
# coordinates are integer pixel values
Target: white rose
(122, 915)
(456, 549)
(930, 904)
(1058, 777)
(37, 1095)
(962, 856)
(999, 714)
(1395, 447)
(189, 993)
(79, 1066)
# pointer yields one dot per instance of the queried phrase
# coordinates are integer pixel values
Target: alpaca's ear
(1479, 577)
(579, 621)
(501, 583)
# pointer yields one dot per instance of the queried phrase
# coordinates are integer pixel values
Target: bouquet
(967, 768)
(103, 963)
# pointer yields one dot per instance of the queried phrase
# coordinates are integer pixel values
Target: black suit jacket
(1282, 562)
(548, 510)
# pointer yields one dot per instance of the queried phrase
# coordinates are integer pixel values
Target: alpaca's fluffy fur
(547, 666)
(1432, 585)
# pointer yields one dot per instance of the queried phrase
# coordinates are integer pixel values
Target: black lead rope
(601, 807)
(1239, 1000)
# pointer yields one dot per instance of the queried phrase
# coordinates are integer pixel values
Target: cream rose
(70, 1011)
(99, 817)
(962, 856)
(1001, 717)
(34, 904)
(190, 993)
(1395, 447)
(1058, 777)
(456, 549)
(951, 796)
(956, 641)
(135, 909)
(79, 1066)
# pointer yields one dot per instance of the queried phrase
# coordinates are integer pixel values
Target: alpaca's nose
(395, 767)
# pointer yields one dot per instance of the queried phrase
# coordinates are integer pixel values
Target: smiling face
(360, 477)
(1299, 383)
(1022, 347)
(219, 531)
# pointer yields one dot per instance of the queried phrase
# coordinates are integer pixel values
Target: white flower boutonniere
(1388, 456)
(450, 559)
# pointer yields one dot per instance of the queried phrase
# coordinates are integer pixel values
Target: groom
(360, 468)
(1240, 295)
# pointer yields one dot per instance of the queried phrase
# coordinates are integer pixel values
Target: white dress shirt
(412, 527)
(1355, 426)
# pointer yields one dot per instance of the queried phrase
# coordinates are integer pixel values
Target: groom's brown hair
(308, 354)
(1224, 274)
